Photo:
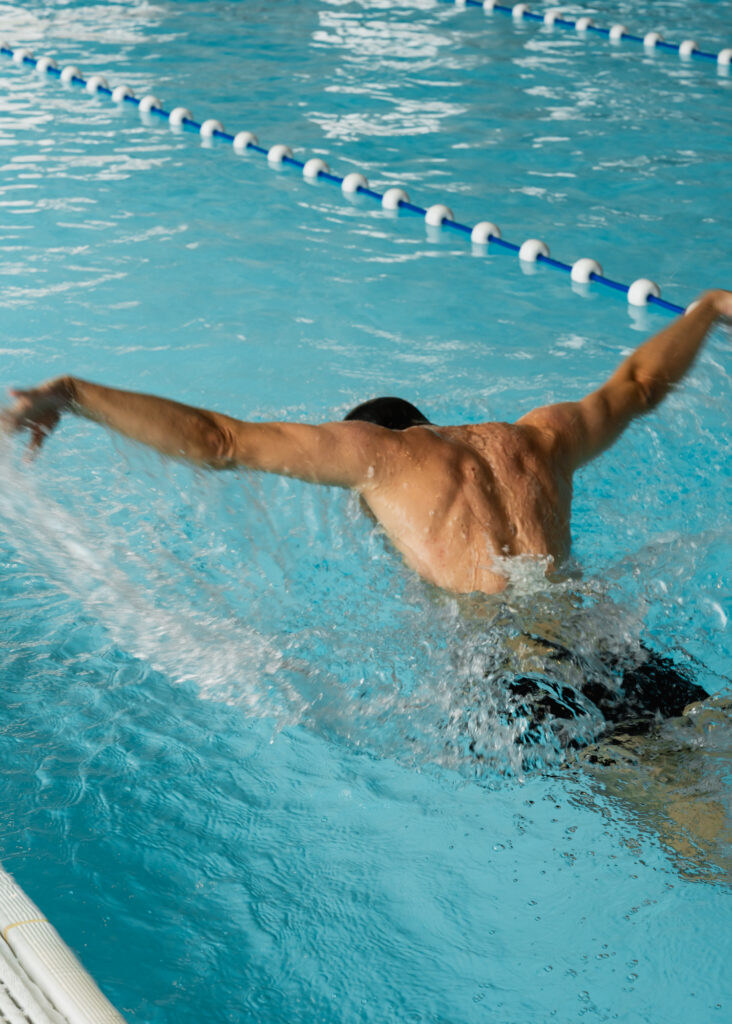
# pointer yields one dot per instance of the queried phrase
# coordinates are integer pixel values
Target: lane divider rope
(585, 26)
(438, 216)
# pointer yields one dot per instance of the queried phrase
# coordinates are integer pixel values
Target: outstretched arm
(582, 430)
(343, 454)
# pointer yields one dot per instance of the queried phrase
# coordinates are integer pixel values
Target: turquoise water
(235, 768)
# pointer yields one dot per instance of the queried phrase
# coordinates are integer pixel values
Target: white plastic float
(687, 47)
(641, 290)
(148, 103)
(277, 153)
(483, 231)
(120, 92)
(210, 127)
(582, 270)
(436, 214)
(392, 198)
(531, 249)
(69, 73)
(177, 116)
(242, 141)
(314, 167)
(353, 182)
(44, 64)
(95, 83)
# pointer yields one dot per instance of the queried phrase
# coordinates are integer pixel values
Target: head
(394, 413)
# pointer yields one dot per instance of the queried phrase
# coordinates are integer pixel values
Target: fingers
(30, 412)
(38, 436)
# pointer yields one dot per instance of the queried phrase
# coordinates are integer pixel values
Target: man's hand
(37, 409)
(723, 304)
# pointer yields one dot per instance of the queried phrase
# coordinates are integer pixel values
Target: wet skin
(452, 499)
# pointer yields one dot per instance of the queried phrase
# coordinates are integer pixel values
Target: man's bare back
(452, 499)
(456, 498)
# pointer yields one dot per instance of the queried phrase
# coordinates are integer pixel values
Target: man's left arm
(584, 429)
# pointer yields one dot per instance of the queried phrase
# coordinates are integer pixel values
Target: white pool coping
(41, 981)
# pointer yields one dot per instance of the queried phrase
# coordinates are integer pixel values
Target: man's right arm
(586, 428)
(352, 454)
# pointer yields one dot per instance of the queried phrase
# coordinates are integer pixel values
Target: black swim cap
(394, 413)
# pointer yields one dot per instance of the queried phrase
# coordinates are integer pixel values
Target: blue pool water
(233, 743)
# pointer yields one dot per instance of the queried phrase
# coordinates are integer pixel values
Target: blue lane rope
(639, 293)
(585, 26)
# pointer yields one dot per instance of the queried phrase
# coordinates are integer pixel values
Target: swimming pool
(229, 774)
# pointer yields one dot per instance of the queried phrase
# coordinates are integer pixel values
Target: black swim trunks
(620, 698)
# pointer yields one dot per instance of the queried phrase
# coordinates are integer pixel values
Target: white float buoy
(244, 139)
(276, 154)
(582, 270)
(460, 3)
(44, 64)
(178, 115)
(652, 39)
(531, 249)
(687, 47)
(353, 182)
(488, 6)
(69, 73)
(617, 32)
(582, 24)
(641, 290)
(393, 197)
(314, 167)
(209, 127)
(551, 16)
(438, 213)
(518, 11)
(95, 83)
(483, 232)
(724, 57)
(120, 92)
(20, 55)
(148, 103)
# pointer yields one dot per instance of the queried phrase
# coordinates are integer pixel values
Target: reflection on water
(285, 600)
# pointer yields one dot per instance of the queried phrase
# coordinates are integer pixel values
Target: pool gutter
(41, 981)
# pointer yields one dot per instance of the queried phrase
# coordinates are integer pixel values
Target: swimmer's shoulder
(496, 439)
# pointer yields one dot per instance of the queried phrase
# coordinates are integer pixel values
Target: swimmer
(452, 499)
(455, 501)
